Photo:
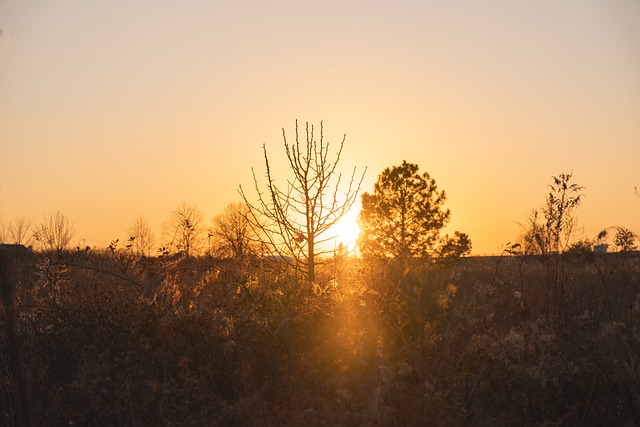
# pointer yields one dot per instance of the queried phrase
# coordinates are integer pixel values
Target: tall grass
(107, 338)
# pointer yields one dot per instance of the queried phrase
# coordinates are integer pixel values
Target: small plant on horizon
(141, 237)
(113, 246)
(624, 239)
(559, 211)
(550, 229)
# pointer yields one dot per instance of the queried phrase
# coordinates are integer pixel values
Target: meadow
(109, 338)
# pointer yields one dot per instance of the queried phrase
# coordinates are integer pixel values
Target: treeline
(184, 231)
(402, 218)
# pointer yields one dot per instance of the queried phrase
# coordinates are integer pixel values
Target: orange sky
(109, 110)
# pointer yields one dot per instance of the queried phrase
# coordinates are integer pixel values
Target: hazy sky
(111, 109)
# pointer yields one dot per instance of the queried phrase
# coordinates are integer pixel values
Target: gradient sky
(112, 109)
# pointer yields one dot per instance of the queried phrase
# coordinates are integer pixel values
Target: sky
(114, 109)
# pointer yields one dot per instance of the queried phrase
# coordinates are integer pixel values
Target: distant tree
(141, 237)
(532, 240)
(404, 216)
(625, 239)
(293, 220)
(17, 232)
(20, 232)
(184, 230)
(456, 246)
(4, 233)
(231, 232)
(54, 233)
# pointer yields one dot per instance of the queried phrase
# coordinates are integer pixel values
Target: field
(106, 338)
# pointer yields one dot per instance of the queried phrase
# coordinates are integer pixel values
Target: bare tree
(293, 220)
(232, 233)
(4, 233)
(19, 231)
(141, 237)
(54, 233)
(184, 231)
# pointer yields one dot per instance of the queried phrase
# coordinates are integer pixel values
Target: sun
(346, 231)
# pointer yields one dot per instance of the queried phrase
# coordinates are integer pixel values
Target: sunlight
(347, 230)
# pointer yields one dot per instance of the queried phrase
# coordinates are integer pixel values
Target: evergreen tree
(404, 216)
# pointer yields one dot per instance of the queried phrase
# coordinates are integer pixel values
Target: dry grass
(110, 339)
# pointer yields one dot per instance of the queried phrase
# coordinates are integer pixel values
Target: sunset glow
(111, 111)
(285, 212)
(347, 230)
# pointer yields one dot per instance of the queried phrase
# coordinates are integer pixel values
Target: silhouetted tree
(625, 239)
(184, 231)
(456, 246)
(231, 232)
(293, 220)
(141, 237)
(17, 232)
(54, 233)
(404, 216)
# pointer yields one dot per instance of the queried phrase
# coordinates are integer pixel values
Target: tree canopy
(404, 216)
